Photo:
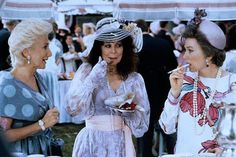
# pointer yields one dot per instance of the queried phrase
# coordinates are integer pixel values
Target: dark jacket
(4, 49)
(155, 60)
(162, 34)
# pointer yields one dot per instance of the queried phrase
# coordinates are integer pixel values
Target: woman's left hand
(51, 118)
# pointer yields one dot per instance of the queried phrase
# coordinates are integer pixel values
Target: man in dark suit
(155, 60)
(164, 34)
(4, 49)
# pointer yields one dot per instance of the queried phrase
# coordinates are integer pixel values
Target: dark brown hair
(128, 61)
(218, 56)
(142, 24)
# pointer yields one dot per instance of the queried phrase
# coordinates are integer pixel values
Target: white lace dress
(88, 101)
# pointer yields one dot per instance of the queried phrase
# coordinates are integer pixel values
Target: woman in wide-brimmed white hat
(108, 94)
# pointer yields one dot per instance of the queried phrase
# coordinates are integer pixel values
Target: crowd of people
(123, 87)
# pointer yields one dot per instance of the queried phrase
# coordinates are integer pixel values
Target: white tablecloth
(57, 91)
(64, 116)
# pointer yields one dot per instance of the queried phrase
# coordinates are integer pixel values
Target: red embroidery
(213, 115)
(209, 144)
(191, 80)
(186, 103)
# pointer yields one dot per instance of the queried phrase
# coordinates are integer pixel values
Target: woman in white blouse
(190, 109)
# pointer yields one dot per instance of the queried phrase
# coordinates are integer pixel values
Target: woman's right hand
(176, 82)
(51, 118)
(99, 70)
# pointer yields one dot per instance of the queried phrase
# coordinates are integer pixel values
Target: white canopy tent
(81, 7)
(23, 9)
(171, 9)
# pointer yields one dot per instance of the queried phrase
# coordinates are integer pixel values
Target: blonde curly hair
(24, 35)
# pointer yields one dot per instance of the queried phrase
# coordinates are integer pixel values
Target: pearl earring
(207, 63)
(28, 59)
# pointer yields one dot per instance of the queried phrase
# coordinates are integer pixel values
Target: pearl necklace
(195, 106)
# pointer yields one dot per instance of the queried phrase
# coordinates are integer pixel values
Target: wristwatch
(41, 124)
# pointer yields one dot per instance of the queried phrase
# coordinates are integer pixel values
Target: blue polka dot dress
(25, 106)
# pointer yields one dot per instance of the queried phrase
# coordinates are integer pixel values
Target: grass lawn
(67, 132)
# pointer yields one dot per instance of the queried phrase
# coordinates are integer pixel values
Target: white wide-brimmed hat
(111, 30)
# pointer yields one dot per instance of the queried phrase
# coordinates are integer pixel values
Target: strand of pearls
(195, 109)
(195, 105)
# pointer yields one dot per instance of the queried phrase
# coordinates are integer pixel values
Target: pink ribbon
(112, 123)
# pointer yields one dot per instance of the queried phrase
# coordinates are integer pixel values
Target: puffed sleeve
(79, 96)
(169, 115)
(138, 121)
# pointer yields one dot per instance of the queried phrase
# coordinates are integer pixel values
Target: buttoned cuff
(172, 100)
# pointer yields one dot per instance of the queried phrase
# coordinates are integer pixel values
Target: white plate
(118, 109)
(120, 99)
